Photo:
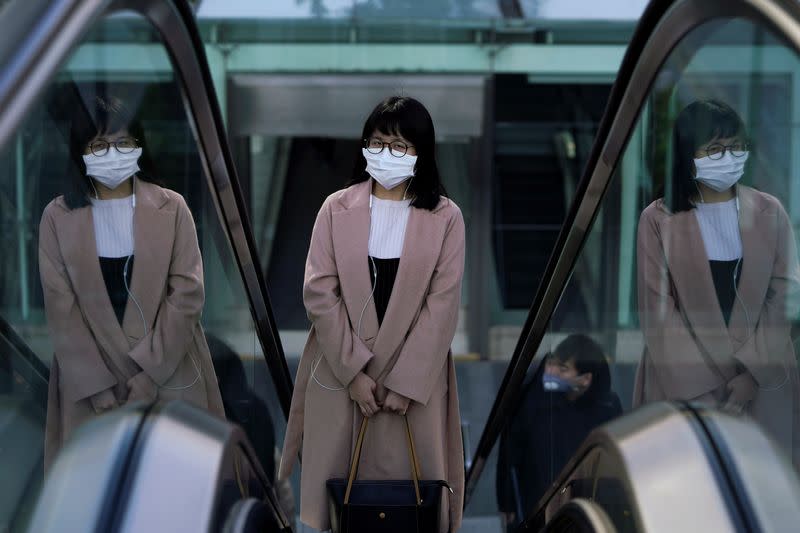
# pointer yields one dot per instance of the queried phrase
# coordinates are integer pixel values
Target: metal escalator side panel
(82, 489)
(760, 477)
(580, 516)
(186, 474)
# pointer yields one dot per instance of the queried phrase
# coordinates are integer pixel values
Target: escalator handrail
(225, 182)
(56, 34)
(662, 26)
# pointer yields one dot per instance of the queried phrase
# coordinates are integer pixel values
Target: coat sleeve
(163, 348)
(344, 351)
(764, 353)
(83, 372)
(672, 349)
(425, 350)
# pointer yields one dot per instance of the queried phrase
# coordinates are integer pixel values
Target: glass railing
(121, 289)
(686, 282)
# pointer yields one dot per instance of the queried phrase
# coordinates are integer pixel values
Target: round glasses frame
(396, 148)
(125, 145)
(716, 151)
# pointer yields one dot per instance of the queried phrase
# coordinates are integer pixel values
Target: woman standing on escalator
(382, 289)
(122, 279)
(718, 282)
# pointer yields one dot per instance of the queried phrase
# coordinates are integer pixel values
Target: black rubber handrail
(525, 349)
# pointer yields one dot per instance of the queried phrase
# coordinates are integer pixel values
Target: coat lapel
(759, 242)
(697, 298)
(350, 229)
(154, 235)
(421, 247)
(83, 265)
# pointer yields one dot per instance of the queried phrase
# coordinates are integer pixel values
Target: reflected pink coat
(92, 351)
(409, 354)
(690, 352)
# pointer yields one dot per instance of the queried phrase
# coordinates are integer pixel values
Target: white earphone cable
(316, 363)
(750, 328)
(139, 307)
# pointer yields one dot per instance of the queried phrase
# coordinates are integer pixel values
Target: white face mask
(388, 170)
(112, 168)
(720, 174)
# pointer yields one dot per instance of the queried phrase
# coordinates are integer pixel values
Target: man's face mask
(563, 377)
(554, 383)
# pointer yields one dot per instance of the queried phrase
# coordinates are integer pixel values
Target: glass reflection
(718, 281)
(689, 277)
(121, 334)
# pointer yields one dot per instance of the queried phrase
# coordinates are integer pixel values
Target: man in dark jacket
(565, 399)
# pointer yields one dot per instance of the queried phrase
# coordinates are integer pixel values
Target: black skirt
(726, 280)
(113, 269)
(386, 270)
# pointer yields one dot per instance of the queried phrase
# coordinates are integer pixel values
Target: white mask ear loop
(91, 182)
(703, 200)
(404, 192)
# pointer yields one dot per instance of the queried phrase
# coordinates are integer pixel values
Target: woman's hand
(741, 391)
(362, 391)
(395, 403)
(142, 387)
(103, 401)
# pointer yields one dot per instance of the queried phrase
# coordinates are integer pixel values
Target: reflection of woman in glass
(718, 282)
(382, 289)
(123, 282)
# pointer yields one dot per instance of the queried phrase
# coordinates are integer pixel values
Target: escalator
(171, 467)
(213, 479)
(682, 52)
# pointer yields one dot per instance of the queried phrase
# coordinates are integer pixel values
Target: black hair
(406, 117)
(699, 122)
(588, 357)
(104, 115)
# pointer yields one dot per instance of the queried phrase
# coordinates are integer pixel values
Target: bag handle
(412, 453)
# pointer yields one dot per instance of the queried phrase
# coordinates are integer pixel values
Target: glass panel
(583, 9)
(126, 288)
(348, 8)
(509, 148)
(686, 288)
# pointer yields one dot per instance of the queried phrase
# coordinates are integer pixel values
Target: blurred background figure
(566, 398)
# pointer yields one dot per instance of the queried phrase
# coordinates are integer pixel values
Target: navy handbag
(384, 506)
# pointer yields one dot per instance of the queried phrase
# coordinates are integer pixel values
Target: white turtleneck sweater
(113, 226)
(719, 226)
(387, 231)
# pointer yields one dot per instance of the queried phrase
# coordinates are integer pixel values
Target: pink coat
(92, 351)
(410, 354)
(690, 352)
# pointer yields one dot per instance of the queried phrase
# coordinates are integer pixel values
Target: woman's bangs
(388, 123)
